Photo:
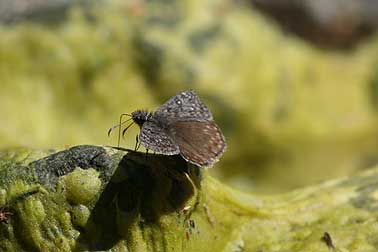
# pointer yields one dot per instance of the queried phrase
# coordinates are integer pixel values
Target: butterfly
(183, 125)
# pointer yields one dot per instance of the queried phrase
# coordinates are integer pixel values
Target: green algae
(41, 216)
(146, 207)
(282, 103)
(81, 186)
(80, 215)
(288, 114)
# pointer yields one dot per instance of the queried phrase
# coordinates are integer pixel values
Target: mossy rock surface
(92, 198)
(292, 114)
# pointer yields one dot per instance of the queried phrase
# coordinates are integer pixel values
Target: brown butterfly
(183, 125)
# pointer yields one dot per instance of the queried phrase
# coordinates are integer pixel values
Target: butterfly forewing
(154, 138)
(185, 106)
(201, 143)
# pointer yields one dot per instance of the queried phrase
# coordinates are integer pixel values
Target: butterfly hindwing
(201, 143)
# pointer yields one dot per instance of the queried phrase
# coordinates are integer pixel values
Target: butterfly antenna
(118, 125)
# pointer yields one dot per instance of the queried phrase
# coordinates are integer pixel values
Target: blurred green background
(294, 113)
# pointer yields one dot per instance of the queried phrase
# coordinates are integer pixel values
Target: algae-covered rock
(148, 202)
(292, 114)
(81, 186)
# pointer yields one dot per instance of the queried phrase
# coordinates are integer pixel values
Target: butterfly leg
(138, 145)
(146, 156)
(136, 142)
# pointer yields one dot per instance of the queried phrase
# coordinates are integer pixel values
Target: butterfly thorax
(141, 116)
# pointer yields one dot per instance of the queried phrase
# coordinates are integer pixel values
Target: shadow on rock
(143, 188)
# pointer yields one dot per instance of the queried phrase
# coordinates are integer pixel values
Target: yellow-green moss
(282, 103)
(81, 186)
(80, 215)
(219, 218)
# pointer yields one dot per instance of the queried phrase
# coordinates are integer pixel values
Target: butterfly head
(140, 116)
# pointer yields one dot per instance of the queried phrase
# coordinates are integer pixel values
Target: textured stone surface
(147, 203)
(292, 114)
